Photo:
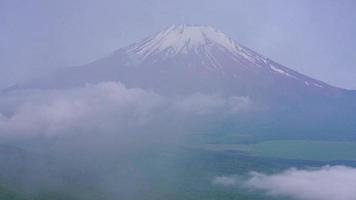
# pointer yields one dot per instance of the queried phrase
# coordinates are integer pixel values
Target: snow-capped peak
(181, 38)
(203, 42)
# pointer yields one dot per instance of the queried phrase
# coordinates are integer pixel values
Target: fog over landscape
(181, 100)
(325, 183)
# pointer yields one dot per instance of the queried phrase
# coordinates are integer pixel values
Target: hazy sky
(315, 37)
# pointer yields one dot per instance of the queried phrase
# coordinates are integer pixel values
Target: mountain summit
(202, 41)
(185, 38)
(186, 60)
(214, 50)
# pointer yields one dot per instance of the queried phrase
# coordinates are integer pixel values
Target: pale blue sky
(315, 37)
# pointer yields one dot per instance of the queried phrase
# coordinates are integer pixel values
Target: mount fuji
(188, 59)
(185, 59)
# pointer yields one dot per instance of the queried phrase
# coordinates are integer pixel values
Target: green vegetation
(166, 173)
(293, 149)
(174, 172)
(10, 194)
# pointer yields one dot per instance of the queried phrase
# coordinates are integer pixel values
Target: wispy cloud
(108, 107)
(325, 183)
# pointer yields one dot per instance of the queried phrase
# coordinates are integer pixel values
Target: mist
(97, 134)
(151, 99)
(324, 183)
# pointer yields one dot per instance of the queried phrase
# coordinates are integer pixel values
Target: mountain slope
(198, 59)
(195, 52)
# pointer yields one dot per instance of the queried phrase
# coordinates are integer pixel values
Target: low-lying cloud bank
(109, 107)
(103, 132)
(325, 183)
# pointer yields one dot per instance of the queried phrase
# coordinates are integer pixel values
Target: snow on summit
(182, 38)
(215, 50)
(189, 59)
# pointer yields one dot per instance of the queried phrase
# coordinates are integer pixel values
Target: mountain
(199, 55)
(186, 59)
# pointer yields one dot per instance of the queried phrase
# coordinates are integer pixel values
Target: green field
(169, 172)
(293, 149)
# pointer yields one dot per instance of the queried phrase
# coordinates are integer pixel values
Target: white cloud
(108, 107)
(93, 106)
(325, 183)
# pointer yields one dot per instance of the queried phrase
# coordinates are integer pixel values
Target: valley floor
(186, 172)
